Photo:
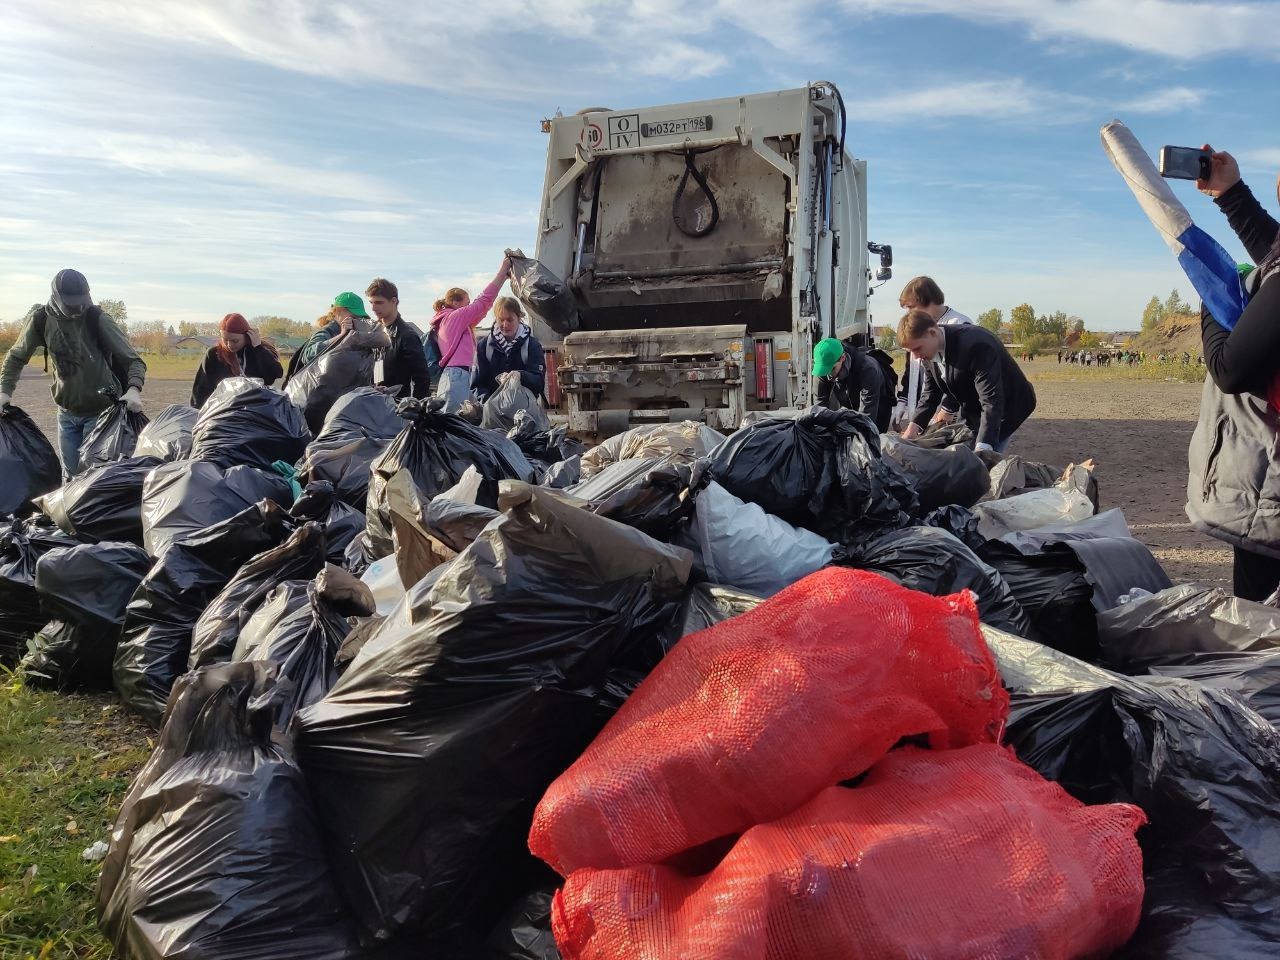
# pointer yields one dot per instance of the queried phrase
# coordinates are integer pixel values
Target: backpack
(888, 390)
(93, 320)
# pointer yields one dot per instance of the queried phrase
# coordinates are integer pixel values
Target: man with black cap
(93, 362)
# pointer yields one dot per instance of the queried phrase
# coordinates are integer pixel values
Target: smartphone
(1184, 163)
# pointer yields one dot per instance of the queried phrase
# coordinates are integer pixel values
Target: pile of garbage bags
(423, 681)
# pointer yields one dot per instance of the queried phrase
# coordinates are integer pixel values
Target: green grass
(66, 762)
(1149, 371)
(171, 366)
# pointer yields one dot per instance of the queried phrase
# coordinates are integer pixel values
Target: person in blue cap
(849, 378)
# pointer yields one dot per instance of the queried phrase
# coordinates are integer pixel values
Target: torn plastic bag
(1053, 589)
(188, 574)
(437, 448)
(102, 503)
(656, 496)
(300, 557)
(705, 605)
(932, 561)
(943, 476)
(1014, 475)
(358, 428)
(113, 436)
(844, 662)
(560, 476)
(1031, 872)
(543, 294)
(960, 522)
(342, 523)
(87, 588)
(244, 423)
(1181, 620)
(168, 436)
(511, 399)
(346, 364)
(1027, 511)
(29, 466)
(216, 852)
(687, 441)
(821, 471)
(549, 444)
(464, 706)
(22, 543)
(189, 496)
(304, 643)
(472, 412)
(739, 544)
(1204, 767)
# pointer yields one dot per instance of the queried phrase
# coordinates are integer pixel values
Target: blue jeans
(454, 387)
(72, 429)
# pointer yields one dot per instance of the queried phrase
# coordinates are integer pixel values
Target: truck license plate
(674, 128)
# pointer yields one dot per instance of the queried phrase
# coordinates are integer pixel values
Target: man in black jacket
(849, 378)
(404, 365)
(967, 371)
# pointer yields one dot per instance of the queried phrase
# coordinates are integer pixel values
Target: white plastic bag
(383, 578)
(1027, 511)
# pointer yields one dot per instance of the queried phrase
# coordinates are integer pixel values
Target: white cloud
(1267, 158)
(987, 99)
(1166, 27)
(1164, 101)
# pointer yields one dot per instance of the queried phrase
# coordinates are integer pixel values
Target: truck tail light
(551, 380)
(764, 369)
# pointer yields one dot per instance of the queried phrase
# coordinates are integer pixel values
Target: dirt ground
(1137, 430)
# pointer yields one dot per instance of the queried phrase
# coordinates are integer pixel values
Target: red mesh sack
(950, 855)
(743, 722)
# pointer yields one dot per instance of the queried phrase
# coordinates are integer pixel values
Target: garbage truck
(707, 246)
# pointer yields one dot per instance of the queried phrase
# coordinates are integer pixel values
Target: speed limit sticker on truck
(674, 128)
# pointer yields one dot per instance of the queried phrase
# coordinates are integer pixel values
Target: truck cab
(708, 247)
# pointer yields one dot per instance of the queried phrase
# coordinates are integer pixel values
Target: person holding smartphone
(1233, 491)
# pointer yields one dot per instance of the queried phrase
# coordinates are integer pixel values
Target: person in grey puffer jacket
(94, 365)
(1233, 492)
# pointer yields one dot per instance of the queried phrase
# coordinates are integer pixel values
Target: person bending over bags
(967, 372)
(850, 378)
(93, 363)
(240, 352)
(510, 347)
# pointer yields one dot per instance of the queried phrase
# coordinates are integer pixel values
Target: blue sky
(195, 157)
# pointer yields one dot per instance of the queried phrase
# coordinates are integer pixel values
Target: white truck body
(674, 326)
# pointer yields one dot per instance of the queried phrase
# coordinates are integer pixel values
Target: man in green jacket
(93, 363)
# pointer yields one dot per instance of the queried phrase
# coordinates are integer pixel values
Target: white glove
(133, 400)
(4, 400)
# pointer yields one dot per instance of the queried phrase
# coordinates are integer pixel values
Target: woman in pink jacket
(456, 315)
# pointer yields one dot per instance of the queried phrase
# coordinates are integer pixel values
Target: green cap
(826, 353)
(352, 303)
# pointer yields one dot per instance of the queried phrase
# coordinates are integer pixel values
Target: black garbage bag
(113, 436)
(300, 557)
(548, 444)
(933, 561)
(437, 448)
(244, 423)
(456, 524)
(452, 721)
(86, 588)
(960, 522)
(29, 466)
(543, 294)
(342, 523)
(705, 605)
(168, 436)
(304, 643)
(22, 544)
(942, 476)
(1203, 766)
(102, 503)
(1252, 678)
(939, 436)
(822, 471)
(1167, 626)
(216, 853)
(359, 427)
(189, 496)
(565, 474)
(524, 933)
(156, 642)
(346, 364)
(283, 600)
(654, 495)
(1053, 588)
(511, 399)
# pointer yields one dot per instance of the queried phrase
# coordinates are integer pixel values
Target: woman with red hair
(240, 353)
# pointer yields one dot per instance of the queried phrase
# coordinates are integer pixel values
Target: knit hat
(826, 353)
(351, 302)
(234, 323)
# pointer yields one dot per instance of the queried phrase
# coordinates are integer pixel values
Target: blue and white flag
(1207, 265)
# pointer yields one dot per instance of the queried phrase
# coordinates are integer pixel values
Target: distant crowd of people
(1126, 358)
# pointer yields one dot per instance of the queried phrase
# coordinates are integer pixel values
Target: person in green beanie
(347, 306)
(850, 378)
